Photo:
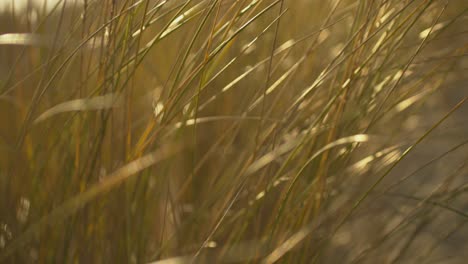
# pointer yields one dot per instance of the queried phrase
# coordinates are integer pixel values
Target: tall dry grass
(222, 131)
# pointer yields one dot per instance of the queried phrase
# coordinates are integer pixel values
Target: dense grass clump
(234, 131)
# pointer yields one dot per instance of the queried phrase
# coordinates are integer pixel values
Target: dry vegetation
(234, 131)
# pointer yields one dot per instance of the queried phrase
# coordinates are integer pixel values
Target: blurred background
(233, 131)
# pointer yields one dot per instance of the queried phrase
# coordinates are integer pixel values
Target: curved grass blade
(87, 104)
